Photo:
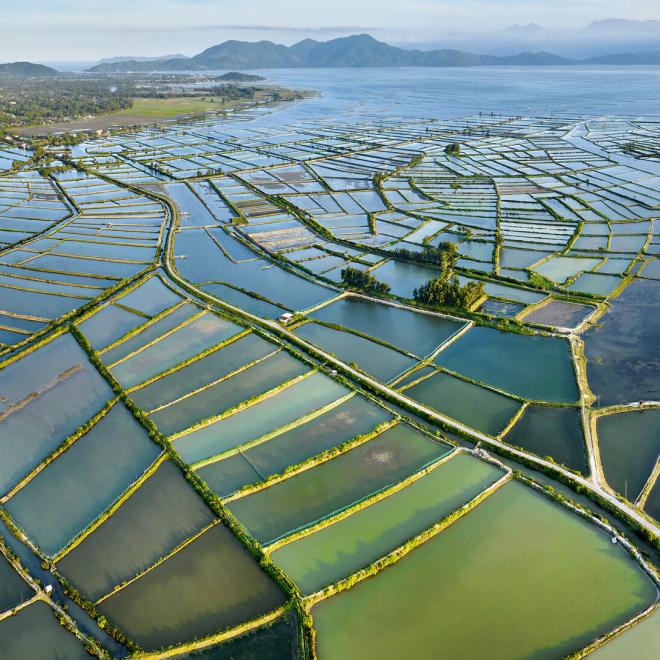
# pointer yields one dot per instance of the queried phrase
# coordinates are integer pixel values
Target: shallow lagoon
(561, 584)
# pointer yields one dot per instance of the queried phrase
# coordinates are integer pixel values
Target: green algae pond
(518, 570)
(641, 642)
(332, 486)
(342, 548)
(333, 427)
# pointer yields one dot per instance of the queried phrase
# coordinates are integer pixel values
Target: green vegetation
(362, 280)
(443, 292)
(453, 149)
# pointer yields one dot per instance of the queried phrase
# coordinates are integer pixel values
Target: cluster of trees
(443, 255)
(25, 101)
(363, 280)
(444, 290)
(453, 149)
(447, 292)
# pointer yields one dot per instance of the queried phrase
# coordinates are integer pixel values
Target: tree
(363, 280)
(443, 255)
(453, 149)
(445, 292)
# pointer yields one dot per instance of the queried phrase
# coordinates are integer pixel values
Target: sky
(87, 30)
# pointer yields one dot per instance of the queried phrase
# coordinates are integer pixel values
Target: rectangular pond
(335, 552)
(477, 585)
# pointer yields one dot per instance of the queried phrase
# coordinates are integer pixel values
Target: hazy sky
(61, 30)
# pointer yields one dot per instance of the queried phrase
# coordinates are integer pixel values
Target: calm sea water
(450, 92)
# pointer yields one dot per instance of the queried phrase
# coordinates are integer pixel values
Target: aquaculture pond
(211, 584)
(377, 360)
(404, 277)
(202, 371)
(109, 325)
(641, 642)
(162, 513)
(276, 641)
(301, 398)
(482, 409)
(532, 367)
(323, 490)
(34, 633)
(502, 572)
(558, 313)
(414, 332)
(335, 552)
(629, 445)
(266, 375)
(554, 432)
(621, 367)
(82, 482)
(205, 331)
(47, 395)
(342, 422)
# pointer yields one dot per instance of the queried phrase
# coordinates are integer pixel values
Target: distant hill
(129, 58)
(355, 51)
(235, 76)
(626, 58)
(26, 69)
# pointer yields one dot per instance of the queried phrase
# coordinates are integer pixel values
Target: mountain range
(599, 38)
(355, 51)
